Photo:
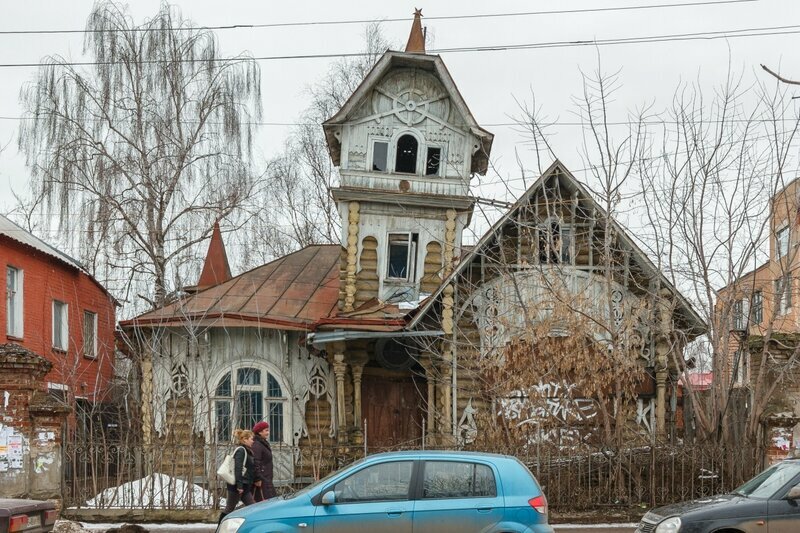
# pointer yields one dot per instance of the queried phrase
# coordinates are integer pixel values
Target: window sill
(14, 338)
(90, 357)
(59, 351)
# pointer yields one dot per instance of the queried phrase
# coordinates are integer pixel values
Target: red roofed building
(375, 342)
(53, 307)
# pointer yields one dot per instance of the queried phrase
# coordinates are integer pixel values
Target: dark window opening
(432, 161)
(757, 312)
(550, 243)
(406, 154)
(380, 156)
(566, 246)
(402, 255)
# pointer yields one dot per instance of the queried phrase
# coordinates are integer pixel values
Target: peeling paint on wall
(41, 462)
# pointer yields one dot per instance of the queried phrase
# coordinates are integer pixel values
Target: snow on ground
(156, 491)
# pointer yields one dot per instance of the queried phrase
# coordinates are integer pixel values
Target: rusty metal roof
(216, 269)
(292, 292)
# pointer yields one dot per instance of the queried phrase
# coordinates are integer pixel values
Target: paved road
(595, 529)
(204, 528)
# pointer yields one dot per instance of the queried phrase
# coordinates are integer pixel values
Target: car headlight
(230, 525)
(670, 525)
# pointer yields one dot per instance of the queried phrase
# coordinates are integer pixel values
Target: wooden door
(394, 409)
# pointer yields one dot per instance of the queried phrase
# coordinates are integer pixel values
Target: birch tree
(140, 147)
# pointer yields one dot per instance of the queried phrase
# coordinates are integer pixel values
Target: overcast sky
(490, 81)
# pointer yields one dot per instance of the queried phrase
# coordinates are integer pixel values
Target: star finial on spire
(416, 40)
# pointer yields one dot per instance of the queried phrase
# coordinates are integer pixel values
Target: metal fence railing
(183, 476)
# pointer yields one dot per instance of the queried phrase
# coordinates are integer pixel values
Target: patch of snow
(157, 491)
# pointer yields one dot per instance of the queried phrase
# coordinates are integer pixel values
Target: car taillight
(18, 522)
(50, 516)
(539, 503)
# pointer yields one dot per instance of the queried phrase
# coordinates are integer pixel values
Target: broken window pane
(432, 161)
(398, 256)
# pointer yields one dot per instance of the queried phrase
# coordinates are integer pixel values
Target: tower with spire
(406, 145)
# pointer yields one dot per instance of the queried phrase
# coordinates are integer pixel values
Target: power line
(401, 19)
(703, 36)
(522, 124)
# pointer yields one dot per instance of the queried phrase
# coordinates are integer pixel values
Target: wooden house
(374, 344)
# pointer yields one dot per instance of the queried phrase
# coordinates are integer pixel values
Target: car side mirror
(794, 493)
(329, 498)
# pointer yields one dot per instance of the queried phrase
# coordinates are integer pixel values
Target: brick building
(761, 318)
(54, 308)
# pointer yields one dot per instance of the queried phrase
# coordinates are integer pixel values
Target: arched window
(243, 397)
(406, 160)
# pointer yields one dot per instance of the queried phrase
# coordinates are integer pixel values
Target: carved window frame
(269, 401)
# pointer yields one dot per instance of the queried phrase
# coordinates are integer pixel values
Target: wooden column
(358, 370)
(661, 411)
(339, 371)
(147, 397)
(353, 218)
(430, 422)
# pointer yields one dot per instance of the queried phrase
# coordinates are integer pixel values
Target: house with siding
(376, 343)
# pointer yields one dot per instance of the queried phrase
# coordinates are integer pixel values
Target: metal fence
(643, 476)
(119, 476)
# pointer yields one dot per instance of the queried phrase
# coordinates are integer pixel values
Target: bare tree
(139, 152)
(709, 206)
(301, 177)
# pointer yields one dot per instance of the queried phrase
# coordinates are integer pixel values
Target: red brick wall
(45, 279)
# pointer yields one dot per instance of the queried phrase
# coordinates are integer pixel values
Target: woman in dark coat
(263, 488)
(242, 457)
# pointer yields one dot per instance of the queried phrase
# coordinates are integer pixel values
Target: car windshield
(316, 484)
(767, 483)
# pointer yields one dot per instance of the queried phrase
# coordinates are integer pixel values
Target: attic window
(406, 161)
(555, 243)
(380, 156)
(432, 161)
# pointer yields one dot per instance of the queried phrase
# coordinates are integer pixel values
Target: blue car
(408, 492)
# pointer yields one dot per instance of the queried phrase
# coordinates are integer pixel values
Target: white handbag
(226, 471)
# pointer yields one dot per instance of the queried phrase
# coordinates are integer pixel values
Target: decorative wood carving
(352, 255)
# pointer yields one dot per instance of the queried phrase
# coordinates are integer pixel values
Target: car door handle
(394, 512)
(485, 509)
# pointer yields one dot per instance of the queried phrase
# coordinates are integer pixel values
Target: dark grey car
(28, 516)
(768, 503)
